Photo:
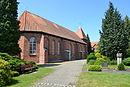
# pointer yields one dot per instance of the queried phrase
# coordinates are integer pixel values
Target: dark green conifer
(9, 27)
(113, 37)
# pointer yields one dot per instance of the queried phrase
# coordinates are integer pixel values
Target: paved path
(66, 75)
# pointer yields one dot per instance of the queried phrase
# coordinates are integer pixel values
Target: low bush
(121, 66)
(98, 55)
(15, 73)
(14, 61)
(99, 61)
(6, 56)
(5, 72)
(91, 62)
(113, 62)
(32, 63)
(94, 68)
(126, 61)
(107, 59)
(91, 56)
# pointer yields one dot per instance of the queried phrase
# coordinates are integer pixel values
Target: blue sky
(72, 14)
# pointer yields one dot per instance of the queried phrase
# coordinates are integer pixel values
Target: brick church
(43, 41)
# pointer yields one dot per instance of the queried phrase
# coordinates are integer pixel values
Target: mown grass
(100, 79)
(27, 80)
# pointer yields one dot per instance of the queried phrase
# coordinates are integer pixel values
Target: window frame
(58, 48)
(32, 46)
(53, 47)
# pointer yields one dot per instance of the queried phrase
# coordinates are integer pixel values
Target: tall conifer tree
(113, 39)
(89, 45)
(9, 27)
(127, 28)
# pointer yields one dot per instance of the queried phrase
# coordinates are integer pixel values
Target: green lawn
(26, 80)
(100, 79)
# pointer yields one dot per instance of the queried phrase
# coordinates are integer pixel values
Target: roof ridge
(36, 23)
(50, 21)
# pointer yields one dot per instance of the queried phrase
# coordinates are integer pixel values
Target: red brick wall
(76, 48)
(24, 44)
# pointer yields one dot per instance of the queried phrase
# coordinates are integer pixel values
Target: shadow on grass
(13, 81)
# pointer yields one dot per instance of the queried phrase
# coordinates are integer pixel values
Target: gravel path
(66, 75)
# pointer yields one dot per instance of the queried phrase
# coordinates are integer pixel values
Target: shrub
(99, 61)
(15, 73)
(128, 52)
(6, 56)
(91, 62)
(113, 62)
(14, 61)
(121, 66)
(126, 61)
(94, 68)
(91, 56)
(5, 72)
(98, 55)
(32, 63)
(107, 60)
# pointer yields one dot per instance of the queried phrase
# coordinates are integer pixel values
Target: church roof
(81, 34)
(32, 22)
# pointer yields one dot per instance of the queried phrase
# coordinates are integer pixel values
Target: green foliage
(6, 56)
(32, 63)
(9, 27)
(121, 66)
(89, 45)
(128, 52)
(98, 47)
(91, 62)
(5, 72)
(15, 63)
(107, 59)
(15, 73)
(114, 36)
(113, 62)
(126, 61)
(99, 61)
(127, 28)
(91, 56)
(98, 55)
(94, 68)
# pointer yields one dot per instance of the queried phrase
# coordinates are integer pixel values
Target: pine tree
(9, 27)
(127, 27)
(89, 45)
(113, 38)
(107, 26)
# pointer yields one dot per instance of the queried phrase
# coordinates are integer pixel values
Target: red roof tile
(32, 22)
(94, 43)
(81, 34)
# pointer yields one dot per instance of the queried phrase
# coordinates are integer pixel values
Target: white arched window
(58, 48)
(32, 46)
(53, 47)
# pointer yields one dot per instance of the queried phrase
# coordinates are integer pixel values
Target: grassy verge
(27, 80)
(99, 79)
